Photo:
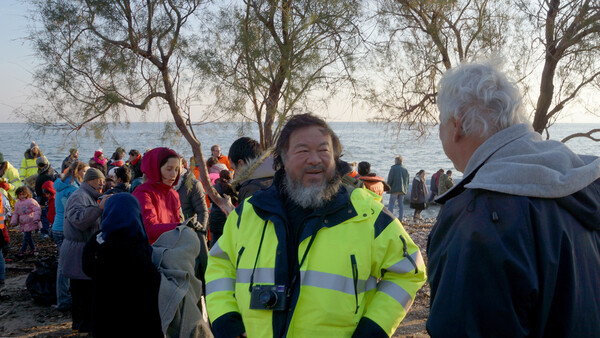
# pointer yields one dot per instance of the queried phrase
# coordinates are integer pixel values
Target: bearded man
(309, 256)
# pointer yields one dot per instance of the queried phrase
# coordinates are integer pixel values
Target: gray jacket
(82, 219)
(174, 254)
(192, 198)
(398, 179)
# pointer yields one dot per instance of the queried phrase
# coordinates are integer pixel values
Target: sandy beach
(20, 316)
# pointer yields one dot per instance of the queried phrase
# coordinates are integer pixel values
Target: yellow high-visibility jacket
(28, 166)
(362, 267)
(11, 175)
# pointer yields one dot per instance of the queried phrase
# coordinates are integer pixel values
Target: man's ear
(457, 129)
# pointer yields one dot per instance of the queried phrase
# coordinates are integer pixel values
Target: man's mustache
(318, 167)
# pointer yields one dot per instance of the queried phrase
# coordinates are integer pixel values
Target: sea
(375, 143)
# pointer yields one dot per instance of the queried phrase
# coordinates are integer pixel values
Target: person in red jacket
(50, 193)
(160, 204)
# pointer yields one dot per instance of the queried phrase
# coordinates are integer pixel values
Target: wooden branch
(587, 135)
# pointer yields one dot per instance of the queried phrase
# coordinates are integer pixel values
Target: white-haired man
(310, 257)
(515, 250)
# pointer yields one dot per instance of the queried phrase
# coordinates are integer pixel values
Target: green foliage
(101, 60)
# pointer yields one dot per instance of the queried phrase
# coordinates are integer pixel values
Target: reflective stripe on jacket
(362, 263)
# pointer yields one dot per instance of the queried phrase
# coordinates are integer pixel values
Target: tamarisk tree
(424, 39)
(273, 55)
(101, 59)
(568, 37)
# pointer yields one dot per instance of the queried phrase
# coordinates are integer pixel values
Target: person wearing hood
(45, 173)
(515, 249)
(99, 162)
(82, 220)
(9, 178)
(28, 164)
(125, 282)
(65, 185)
(160, 203)
(50, 195)
(73, 156)
(253, 167)
(371, 181)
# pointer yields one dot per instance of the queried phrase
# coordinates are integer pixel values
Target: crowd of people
(304, 245)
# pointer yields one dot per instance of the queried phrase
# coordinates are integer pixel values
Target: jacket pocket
(355, 280)
(240, 252)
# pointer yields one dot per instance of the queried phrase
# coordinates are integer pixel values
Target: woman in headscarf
(418, 194)
(125, 282)
(159, 202)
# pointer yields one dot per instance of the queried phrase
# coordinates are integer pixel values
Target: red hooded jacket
(160, 203)
(48, 186)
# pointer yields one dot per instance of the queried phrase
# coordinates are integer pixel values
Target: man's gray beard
(314, 196)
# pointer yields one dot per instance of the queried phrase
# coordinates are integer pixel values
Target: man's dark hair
(134, 152)
(449, 172)
(344, 167)
(298, 122)
(245, 149)
(124, 173)
(364, 168)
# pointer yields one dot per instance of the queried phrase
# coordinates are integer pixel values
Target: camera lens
(268, 298)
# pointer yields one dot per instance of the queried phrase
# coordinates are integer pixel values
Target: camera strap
(262, 237)
(310, 243)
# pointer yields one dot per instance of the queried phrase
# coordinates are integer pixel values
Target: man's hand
(103, 201)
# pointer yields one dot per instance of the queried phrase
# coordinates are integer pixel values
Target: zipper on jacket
(408, 256)
(355, 278)
(239, 257)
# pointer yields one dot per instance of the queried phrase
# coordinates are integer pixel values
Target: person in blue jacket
(515, 250)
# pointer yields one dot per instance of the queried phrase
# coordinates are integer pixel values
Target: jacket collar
(89, 190)
(271, 202)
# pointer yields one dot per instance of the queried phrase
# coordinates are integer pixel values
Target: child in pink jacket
(27, 214)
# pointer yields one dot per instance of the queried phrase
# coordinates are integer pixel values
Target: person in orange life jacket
(160, 203)
(372, 182)
(347, 178)
(216, 152)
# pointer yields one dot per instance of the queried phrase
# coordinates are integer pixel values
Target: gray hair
(481, 96)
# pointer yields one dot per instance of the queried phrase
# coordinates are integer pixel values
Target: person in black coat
(125, 281)
(216, 218)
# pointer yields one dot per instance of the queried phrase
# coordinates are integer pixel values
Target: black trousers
(81, 310)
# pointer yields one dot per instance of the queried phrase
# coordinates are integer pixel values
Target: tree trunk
(540, 119)
(224, 204)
